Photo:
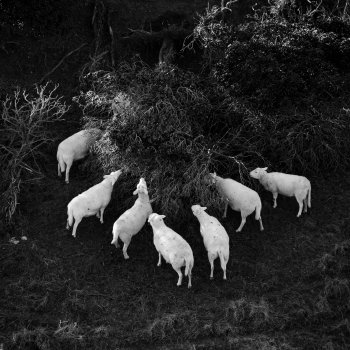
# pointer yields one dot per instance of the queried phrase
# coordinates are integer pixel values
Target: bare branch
(60, 62)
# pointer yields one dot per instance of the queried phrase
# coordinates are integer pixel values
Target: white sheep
(239, 197)
(175, 250)
(75, 147)
(91, 202)
(215, 238)
(132, 221)
(285, 184)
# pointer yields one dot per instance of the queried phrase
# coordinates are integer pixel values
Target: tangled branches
(24, 130)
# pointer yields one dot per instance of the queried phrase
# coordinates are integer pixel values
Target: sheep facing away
(91, 202)
(285, 184)
(174, 249)
(75, 147)
(132, 220)
(240, 198)
(215, 238)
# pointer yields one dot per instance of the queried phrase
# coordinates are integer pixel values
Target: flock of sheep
(174, 249)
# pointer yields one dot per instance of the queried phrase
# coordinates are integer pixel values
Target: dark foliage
(170, 126)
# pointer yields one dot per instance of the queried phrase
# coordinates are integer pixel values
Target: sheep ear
(264, 168)
(162, 216)
(106, 176)
(204, 208)
(135, 192)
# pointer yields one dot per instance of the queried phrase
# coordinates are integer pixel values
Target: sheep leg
(125, 248)
(261, 224)
(101, 214)
(178, 270)
(76, 223)
(305, 205)
(67, 226)
(242, 223)
(300, 202)
(189, 279)
(160, 259)
(223, 263)
(275, 195)
(211, 262)
(59, 170)
(225, 210)
(68, 166)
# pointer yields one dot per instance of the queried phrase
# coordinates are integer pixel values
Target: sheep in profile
(132, 221)
(215, 238)
(175, 250)
(239, 197)
(285, 184)
(75, 147)
(91, 202)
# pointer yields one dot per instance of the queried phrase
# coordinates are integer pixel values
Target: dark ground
(287, 288)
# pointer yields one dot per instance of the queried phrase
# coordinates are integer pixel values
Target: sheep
(75, 147)
(285, 184)
(132, 221)
(175, 250)
(215, 238)
(91, 202)
(239, 197)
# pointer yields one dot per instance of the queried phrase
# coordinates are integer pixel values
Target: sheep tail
(189, 265)
(258, 211)
(115, 234)
(309, 197)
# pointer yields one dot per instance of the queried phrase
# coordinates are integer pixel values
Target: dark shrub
(276, 64)
(170, 126)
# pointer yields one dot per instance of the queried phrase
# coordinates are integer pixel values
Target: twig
(112, 38)
(60, 62)
(140, 31)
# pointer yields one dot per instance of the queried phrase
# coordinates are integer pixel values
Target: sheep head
(257, 173)
(197, 209)
(156, 220)
(113, 176)
(141, 187)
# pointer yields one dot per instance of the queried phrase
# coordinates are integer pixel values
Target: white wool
(240, 198)
(75, 147)
(286, 184)
(174, 249)
(215, 238)
(132, 220)
(91, 202)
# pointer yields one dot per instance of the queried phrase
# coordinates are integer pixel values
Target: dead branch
(60, 62)
(140, 31)
(111, 33)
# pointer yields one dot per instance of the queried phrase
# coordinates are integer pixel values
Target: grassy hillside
(287, 287)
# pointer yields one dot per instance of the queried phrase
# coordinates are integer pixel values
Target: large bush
(170, 126)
